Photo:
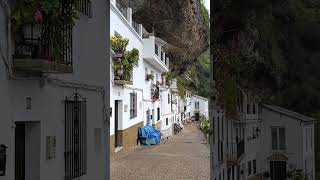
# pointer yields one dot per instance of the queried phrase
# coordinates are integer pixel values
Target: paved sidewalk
(184, 156)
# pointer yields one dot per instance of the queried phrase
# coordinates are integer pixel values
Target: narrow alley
(183, 156)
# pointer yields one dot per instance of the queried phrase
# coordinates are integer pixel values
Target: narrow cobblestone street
(183, 156)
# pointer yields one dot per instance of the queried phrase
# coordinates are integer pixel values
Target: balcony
(122, 8)
(155, 93)
(35, 55)
(231, 155)
(152, 54)
(120, 79)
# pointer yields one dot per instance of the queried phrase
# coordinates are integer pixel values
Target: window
(75, 137)
(253, 109)
(248, 109)
(249, 168)
(158, 113)
(196, 105)
(278, 138)
(254, 166)
(146, 71)
(133, 105)
(167, 121)
(168, 98)
(85, 7)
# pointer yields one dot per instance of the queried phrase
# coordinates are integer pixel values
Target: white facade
(152, 61)
(199, 104)
(298, 152)
(244, 147)
(38, 104)
(122, 26)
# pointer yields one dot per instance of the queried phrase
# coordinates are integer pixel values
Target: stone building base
(127, 138)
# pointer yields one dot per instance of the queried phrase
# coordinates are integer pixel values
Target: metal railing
(231, 152)
(122, 8)
(136, 27)
(85, 6)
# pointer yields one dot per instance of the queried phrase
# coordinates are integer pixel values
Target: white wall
(203, 105)
(120, 25)
(296, 148)
(89, 50)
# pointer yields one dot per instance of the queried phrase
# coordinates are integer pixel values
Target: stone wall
(128, 137)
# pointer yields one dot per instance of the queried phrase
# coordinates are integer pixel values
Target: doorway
(20, 146)
(278, 170)
(27, 150)
(197, 116)
(117, 124)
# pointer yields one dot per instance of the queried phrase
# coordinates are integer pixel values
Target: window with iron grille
(85, 7)
(133, 105)
(75, 137)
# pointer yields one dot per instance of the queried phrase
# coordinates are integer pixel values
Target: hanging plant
(48, 18)
(123, 61)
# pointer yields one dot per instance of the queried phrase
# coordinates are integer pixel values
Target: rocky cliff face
(177, 22)
(269, 48)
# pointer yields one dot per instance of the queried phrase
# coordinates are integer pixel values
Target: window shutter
(135, 104)
(131, 105)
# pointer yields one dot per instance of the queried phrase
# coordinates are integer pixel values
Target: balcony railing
(34, 53)
(136, 27)
(122, 8)
(231, 154)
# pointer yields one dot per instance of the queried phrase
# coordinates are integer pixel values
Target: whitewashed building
(287, 143)
(199, 107)
(126, 97)
(144, 99)
(262, 142)
(53, 111)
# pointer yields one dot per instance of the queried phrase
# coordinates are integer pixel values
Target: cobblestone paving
(184, 156)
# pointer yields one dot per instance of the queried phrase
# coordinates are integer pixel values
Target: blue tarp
(149, 134)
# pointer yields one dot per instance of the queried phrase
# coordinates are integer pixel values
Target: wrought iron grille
(85, 6)
(36, 41)
(75, 137)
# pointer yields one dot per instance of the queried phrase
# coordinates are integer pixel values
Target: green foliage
(181, 85)
(169, 76)
(54, 20)
(129, 60)
(203, 74)
(119, 44)
(204, 12)
(227, 73)
(204, 125)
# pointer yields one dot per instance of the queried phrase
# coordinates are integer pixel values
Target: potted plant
(123, 60)
(38, 23)
(119, 46)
